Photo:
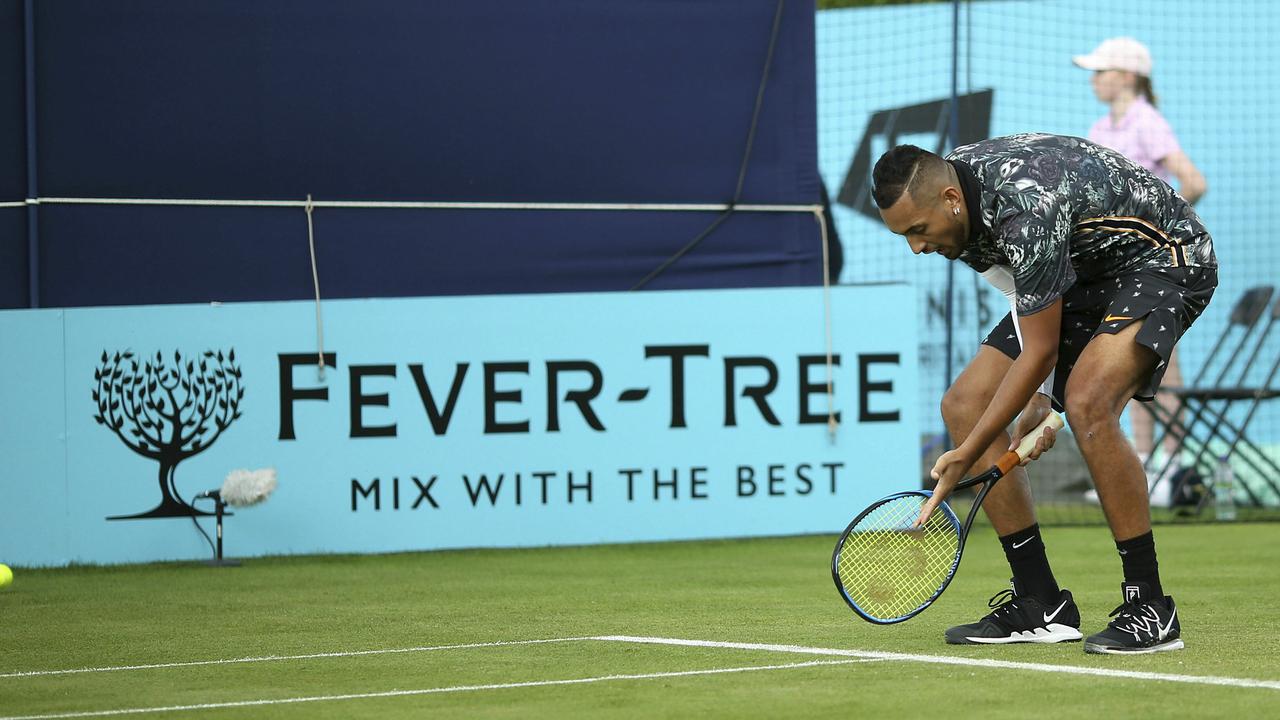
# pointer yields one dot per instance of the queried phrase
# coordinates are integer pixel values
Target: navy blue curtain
(567, 101)
(13, 157)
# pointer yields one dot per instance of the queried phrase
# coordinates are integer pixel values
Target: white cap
(1119, 53)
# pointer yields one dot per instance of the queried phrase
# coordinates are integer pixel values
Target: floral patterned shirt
(1057, 210)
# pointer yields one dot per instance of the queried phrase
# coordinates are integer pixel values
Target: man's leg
(1038, 611)
(1009, 504)
(1160, 484)
(1109, 371)
(1169, 401)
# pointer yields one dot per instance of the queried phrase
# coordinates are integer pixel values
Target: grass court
(731, 629)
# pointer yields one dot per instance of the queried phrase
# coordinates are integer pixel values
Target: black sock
(1138, 555)
(1031, 572)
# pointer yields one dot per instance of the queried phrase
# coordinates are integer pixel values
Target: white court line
(968, 662)
(854, 656)
(277, 658)
(432, 691)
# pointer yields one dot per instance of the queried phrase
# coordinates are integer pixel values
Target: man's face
(930, 226)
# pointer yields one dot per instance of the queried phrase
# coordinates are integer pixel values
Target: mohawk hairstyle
(905, 168)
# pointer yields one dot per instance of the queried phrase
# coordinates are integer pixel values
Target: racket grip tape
(1011, 459)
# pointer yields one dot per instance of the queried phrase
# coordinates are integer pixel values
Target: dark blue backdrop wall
(635, 101)
(13, 158)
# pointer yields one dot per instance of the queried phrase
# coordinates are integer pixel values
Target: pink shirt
(1142, 135)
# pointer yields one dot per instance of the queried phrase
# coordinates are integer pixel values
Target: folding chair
(1231, 386)
(1236, 438)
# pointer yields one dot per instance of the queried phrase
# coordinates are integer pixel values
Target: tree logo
(168, 413)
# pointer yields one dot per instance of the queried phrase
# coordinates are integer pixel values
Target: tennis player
(1105, 267)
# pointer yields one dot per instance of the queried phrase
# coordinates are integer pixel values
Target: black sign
(930, 118)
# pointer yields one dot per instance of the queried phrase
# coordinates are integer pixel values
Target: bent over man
(1105, 267)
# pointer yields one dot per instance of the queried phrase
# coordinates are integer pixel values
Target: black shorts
(1169, 298)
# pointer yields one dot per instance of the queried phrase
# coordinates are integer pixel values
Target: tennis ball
(6, 576)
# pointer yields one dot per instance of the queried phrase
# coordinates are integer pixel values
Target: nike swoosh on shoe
(1048, 617)
(1164, 631)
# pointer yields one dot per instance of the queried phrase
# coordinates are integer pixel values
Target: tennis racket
(887, 569)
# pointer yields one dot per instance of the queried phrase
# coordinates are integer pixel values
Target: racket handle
(1012, 458)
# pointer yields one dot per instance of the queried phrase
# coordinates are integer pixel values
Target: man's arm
(1000, 277)
(1039, 356)
(1040, 333)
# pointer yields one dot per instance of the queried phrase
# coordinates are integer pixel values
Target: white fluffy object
(248, 487)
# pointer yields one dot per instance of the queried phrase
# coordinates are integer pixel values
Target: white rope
(832, 424)
(315, 280)
(19, 203)
(308, 205)
(415, 205)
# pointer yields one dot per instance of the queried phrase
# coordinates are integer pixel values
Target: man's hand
(948, 471)
(1032, 415)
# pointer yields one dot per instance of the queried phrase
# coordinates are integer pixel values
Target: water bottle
(1224, 486)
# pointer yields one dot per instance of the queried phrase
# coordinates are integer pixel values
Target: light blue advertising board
(494, 421)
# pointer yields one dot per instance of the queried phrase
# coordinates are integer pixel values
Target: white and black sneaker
(1022, 619)
(1142, 624)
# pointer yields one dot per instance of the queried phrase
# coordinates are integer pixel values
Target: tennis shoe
(1142, 624)
(1019, 618)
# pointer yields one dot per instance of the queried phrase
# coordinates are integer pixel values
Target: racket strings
(887, 567)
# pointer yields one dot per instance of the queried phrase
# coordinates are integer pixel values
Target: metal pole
(953, 138)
